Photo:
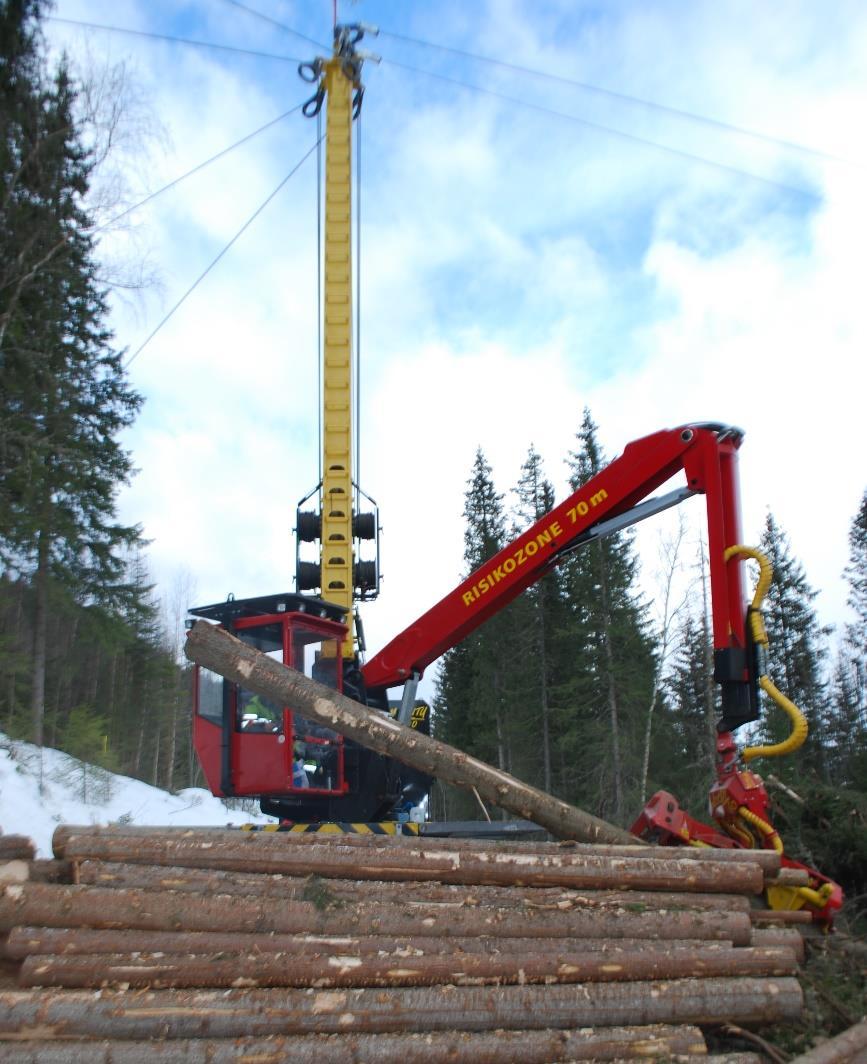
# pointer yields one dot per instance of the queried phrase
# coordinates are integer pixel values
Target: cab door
(251, 747)
(260, 761)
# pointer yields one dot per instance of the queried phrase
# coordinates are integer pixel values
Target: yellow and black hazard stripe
(385, 827)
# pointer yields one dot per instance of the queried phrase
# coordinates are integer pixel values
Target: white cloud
(515, 268)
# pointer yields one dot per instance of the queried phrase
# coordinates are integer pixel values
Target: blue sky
(516, 266)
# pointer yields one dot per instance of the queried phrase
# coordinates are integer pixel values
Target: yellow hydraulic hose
(739, 834)
(760, 638)
(817, 897)
(799, 725)
(763, 827)
(766, 572)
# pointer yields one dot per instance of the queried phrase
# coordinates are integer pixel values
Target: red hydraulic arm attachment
(614, 499)
(738, 801)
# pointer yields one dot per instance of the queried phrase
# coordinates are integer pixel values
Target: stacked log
(16, 847)
(461, 1047)
(188, 945)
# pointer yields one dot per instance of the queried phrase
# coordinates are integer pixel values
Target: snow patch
(43, 788)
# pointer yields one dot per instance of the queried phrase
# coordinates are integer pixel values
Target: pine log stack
(215, 945)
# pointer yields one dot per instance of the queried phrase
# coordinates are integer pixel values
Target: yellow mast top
(341, 578)
(336, 560)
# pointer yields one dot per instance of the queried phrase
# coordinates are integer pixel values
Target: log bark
(215, 649)
(790, 937)
(21, 942)
(726, 1058)
(775, 917)
(302, 888)
(847, 1048)
(43, 871)
(259, 1013)
(661, 1042)
(768, 859)
(38, 904)
(161, 971)
(275, 853)
(16, 848)
(789, 877)
(498, 1047)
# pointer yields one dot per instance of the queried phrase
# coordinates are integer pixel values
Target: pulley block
(308, 525)
(364, 526)
(307, 576)
(366, 576)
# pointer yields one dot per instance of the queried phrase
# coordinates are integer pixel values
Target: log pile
(192, 945)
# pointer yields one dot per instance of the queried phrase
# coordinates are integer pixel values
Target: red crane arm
(707, 454)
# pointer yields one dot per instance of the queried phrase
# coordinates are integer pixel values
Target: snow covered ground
(73, 792)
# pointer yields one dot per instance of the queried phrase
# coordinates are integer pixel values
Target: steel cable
(208, 269)
(612, 131)
(174, 40)
(622, 97)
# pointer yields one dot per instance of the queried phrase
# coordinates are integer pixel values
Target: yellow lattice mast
(340, 577)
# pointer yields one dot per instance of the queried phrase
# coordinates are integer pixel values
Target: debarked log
(291, 888)
(258, 1013)
(271, 853)
(14, 871)
(216, 649)
(161, 971)
(47, 905)
(494, 1047)
(21, 942)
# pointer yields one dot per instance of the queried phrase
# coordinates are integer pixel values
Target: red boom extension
(614, 499)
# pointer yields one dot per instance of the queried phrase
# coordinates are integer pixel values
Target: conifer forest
(583, 686)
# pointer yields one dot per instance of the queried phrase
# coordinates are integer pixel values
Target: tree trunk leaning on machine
(215, 649)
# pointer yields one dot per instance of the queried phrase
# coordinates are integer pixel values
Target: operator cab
(250, 747)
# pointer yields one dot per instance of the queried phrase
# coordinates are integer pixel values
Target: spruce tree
(607, 643)
(485, 528)
(541, 609)
(473, 690)
(796, 647)
(484, 536)
(64, 398)
(856, 575)
(849, 724)
(684, 751)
